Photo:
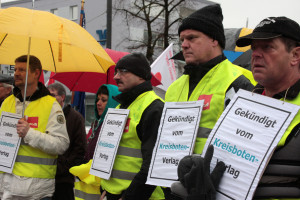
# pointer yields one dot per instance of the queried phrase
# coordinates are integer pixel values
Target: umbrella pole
(27, 66)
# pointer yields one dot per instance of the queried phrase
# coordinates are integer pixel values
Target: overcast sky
(235, 12)
(4, 1)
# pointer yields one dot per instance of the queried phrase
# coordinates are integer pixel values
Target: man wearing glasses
(130, 170)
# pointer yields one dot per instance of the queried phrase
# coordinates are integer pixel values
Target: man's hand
(200, 183)
(22, 127)
(194, 174)
(103, 195)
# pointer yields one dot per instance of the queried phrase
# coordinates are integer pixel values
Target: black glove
(178, 190)
(199, 182)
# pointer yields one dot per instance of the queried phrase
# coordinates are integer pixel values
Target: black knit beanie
(208, 20)
(137, 64)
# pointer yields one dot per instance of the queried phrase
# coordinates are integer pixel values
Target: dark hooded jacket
(75, 153)
(94, 131)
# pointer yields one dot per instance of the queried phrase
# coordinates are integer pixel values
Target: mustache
(118, 81)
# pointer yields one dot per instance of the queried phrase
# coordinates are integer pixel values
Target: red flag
(42, 78)
(51, 80)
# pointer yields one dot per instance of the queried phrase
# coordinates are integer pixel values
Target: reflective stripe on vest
(203, 132)
(213, 93)
(122, 174)
(86, 191)
(32, 162)
(82, 195)
(128, 161)
(126, 151)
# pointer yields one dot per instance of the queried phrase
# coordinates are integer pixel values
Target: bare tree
(157, 19)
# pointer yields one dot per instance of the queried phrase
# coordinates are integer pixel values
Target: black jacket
(39, 93)
(147, 133)
(75, 153)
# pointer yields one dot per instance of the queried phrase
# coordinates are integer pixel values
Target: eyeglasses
(121, 72)
(54, 95)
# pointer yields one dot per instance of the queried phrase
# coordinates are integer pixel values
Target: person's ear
(37, 73)
(9, 90)
(295, 53)
(215, 42)
(63, 97)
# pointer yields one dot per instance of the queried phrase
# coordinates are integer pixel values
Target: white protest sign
(245, 137)
(108, 142)
(176, 138)
(163, 68)
(9, 141)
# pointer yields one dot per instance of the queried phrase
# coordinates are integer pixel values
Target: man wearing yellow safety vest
(43, 132)
(208, 75)
(275, 63)
(130, 170)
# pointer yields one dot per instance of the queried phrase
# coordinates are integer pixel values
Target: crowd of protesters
(55, 152)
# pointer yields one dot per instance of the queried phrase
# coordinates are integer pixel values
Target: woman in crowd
(88, 187)
(103, 101)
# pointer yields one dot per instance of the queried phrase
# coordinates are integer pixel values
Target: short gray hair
(6, 85)
(58, 87)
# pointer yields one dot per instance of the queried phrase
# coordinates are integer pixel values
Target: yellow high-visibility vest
(84, 191)
(212, 88)
(88, 187)
(32, 162)
(129, 157)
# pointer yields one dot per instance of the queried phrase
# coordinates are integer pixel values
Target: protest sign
(176, 138)
(9, 141)
(245, 137)
(108, 142)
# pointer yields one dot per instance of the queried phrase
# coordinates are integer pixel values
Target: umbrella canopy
(89, 81)
(115, 55)
(85, 81)
(60, 44)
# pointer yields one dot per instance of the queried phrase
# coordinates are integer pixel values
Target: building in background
(124, 33)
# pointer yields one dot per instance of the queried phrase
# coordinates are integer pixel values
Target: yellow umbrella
(60, 44)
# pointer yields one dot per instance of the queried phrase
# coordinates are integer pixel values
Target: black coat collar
(39, 93)
(126, 98)
(196, 70)
(291, 93)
